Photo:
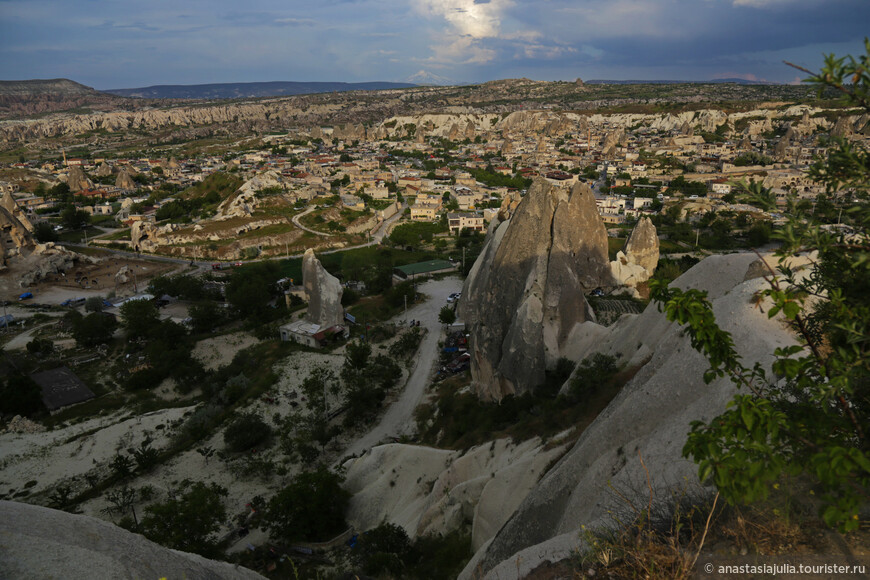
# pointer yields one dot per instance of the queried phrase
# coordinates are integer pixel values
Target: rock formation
(243, 202)
(124, 181)
(637, 262)
(38, 542)
(324, 292)
(642, 246)
(144, 236)
(842, 128)
(435, 491)
(525, 293)
(15, 229)
(103, 170)
(77, 180)
(650, 417)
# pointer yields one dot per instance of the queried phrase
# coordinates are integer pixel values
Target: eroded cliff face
(649, 419)
(525, 293)
(43, 543)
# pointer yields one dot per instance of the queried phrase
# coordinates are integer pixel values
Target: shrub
(592, 373)
(311, 508)
(246, 432)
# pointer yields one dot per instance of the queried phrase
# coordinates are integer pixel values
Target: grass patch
(122, 234)
(614, 245)
(374, 309)
(78, 236)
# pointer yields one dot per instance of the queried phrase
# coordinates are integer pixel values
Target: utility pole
(463, 259)
(697, 233)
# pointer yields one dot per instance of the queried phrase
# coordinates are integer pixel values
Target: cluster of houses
(629, 169)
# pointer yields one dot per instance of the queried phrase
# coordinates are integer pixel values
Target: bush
(188, 522)
(592, 373)
(310, 508)
(19, 395)
(44, 232)
(383, 550)
(246, 432)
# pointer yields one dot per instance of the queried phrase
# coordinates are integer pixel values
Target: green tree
(246, 432)
(383, 550)
(205, 316)
(188, 522)
(250, 289)
(20, 395)
(811, 415)
(357, 355)
(74, 219)
(754, 193)
(310, 508)
(140, 317)
(44, 232)
(446, 315)
(93, 329)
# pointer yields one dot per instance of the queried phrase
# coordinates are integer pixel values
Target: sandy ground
(93, 280)
(67, 454)
(219, 351)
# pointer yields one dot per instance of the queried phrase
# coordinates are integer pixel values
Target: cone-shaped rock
(77, 180)
(642, 246)
(525, 293)
(124, 181)
(324, 292)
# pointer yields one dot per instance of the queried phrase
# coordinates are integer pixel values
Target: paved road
(399, 417)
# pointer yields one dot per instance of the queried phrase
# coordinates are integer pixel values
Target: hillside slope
(650, 418)
(40, 543)
(250, 90)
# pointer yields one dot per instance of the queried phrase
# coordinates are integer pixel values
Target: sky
(108, 44)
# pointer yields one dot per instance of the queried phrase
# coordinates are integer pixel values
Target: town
(317, 324)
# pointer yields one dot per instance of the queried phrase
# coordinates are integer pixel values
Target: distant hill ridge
(60, 87)
(249, 90)
(737, 81)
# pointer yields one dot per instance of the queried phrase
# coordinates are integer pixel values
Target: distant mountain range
(712, 81)
(249, 90)
(424, 77)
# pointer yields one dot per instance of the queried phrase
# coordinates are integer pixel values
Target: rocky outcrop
(642, 246)
(143, 236)
(41, 543)
(124, 181)
(324, 292)
(47, 259)
(525, 293)
(842, 128)
(103, 170)
(637, 262)
(243, 202)
(431, 491)
(77, 180)
(11, 206)
(650, 418)
(15, 230)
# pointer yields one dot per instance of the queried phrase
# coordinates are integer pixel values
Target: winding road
(399, 417)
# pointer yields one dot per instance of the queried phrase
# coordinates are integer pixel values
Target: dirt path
(298, 224)
(399, 418)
